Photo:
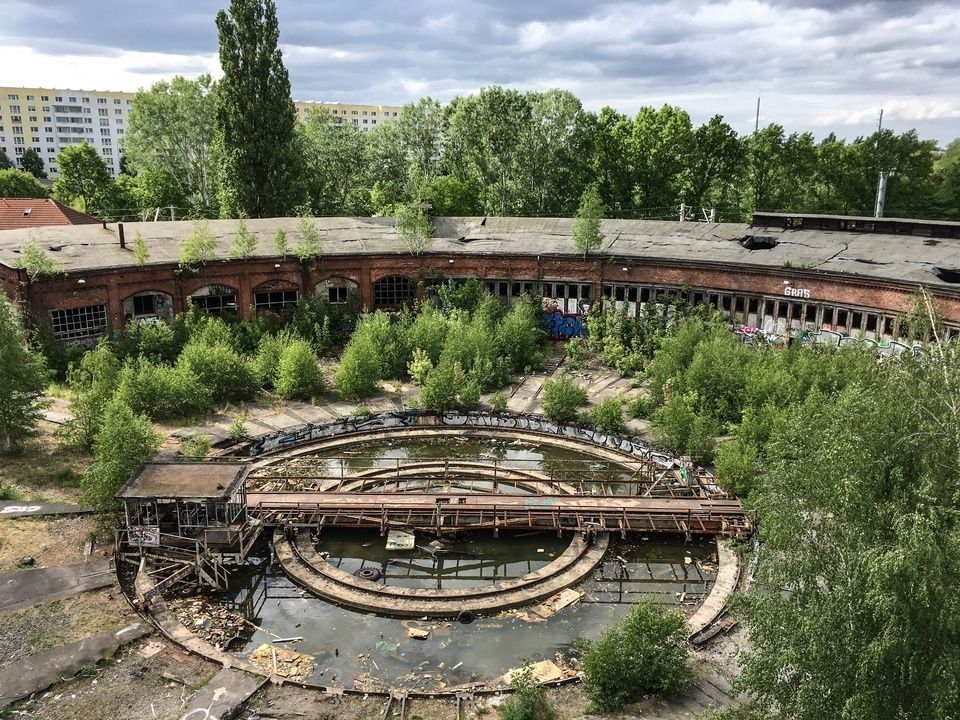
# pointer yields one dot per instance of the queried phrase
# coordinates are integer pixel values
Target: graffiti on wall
(825, 336)
(561, 325)
(306, 434)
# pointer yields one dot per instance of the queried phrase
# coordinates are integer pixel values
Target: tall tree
(556, 153)
(20, 184)
(714, 164)
(32, 163)
(170, 138)
(486, 133)
(255, 112)
(23, 376)
(84, 177)
(420, 133)
(123, 441)
(5, 163)
(335, 165)
(612, 160)
(661, 145)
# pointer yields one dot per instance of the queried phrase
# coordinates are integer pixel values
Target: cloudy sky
(817, 65)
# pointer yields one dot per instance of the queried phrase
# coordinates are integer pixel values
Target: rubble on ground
(218, 625)
(284, 663)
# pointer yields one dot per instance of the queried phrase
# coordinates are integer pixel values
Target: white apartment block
(364, 117)
(49, 120)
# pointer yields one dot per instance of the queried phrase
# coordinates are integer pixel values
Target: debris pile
(282, 662)
(218, 625)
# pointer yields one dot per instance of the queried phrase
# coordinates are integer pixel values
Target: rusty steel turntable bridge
(449, 512)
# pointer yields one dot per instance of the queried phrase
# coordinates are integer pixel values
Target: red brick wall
(112, 286)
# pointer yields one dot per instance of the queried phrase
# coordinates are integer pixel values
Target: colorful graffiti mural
(561, 325)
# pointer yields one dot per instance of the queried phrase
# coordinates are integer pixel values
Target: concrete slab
(26, 588)
(727, 577)
(223, 695)
(38, 672)
(57, 417)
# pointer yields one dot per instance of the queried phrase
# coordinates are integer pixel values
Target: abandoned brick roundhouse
(844, 276)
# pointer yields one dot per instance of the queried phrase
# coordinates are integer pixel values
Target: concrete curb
(35, 673)
(27, 588)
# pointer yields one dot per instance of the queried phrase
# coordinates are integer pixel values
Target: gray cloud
(819, 64)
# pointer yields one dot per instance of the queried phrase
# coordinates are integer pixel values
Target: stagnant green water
(350, 647)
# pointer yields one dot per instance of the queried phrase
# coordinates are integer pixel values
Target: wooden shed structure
(191, 515)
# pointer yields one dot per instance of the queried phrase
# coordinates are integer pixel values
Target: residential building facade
(50, 120)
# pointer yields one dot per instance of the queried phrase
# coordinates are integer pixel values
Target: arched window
(215, 299)
(148, 306)
(335, 289)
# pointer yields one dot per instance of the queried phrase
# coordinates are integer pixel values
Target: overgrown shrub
(298, 374)
(358, 374)
(644, 653)
(607, 416)
(562, 398)
(162, 392)
(195, 446)
(529, 700)
(219, 368)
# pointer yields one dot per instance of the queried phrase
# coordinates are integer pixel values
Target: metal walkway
(442, 512)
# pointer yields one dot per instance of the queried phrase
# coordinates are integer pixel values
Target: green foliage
(35, 261)
(32, 163)
(644, 653)
(20, 184)
(562, 398)
(298, 374)
(254, 111)
(498, 402)
(641, 407)
(124, 441)
(244, 242)
(520, 335)
(577, 350)
(737, 467)
(413, 226)
(83, 177)
(199, 247)
(220, 369)
(358, 374)
(607, 416)
(160, 341)
(587, 235)
(308, 246)
(441, 389)
(854, 609)
(924, 321)
(162, 392)
(266, 362)
(92, 382)
(23, 376)
(420, 366)
(195, 446)
(281, 244)
(529, 700)
(141, 254)
(238, 431)
(5, 163)
(170, 143)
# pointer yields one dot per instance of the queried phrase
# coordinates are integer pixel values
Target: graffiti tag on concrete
(346, 426)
